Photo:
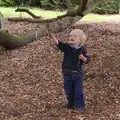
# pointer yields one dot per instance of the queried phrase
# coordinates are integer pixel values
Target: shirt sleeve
(62, 46)
(84, 52)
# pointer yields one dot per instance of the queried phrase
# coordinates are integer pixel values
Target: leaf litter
(31, 82)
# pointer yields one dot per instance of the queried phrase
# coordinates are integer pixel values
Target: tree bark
(9, 41)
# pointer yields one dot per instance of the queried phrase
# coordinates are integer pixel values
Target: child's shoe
(69, 106)
(81, 110)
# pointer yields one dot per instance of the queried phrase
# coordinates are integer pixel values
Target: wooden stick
(48, 28)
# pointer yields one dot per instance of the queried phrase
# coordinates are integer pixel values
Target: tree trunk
(11, 42)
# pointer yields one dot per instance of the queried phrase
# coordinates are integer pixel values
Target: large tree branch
(9, 41)
(69, 13)
(56, 24)
(27, 11)
(85, 7)
(16, 19)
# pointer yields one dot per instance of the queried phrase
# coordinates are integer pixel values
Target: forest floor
(31, 82)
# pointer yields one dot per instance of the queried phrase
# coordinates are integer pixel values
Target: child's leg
(68, 87)
(78, 92)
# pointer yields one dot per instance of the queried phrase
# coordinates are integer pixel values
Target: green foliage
(20, 2)
(75, 2)
(107, 8)
(7, 3)
(47, 4)
(52, 4)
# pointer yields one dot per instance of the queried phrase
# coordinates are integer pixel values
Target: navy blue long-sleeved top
(71, 59)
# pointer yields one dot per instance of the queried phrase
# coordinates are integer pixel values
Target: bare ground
(31, 83)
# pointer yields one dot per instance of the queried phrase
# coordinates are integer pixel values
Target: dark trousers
(73, 86)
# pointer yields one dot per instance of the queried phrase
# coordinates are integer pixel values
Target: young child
(74, 57)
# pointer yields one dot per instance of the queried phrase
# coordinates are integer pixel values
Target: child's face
(74, 38)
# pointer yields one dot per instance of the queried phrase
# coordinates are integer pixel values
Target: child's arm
(84, 56)
(62, 46)
(54, 38)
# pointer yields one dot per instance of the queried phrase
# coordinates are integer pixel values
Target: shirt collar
(76, 46)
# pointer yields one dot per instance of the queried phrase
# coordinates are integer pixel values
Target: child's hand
(82, 57)
(54, 38)
(52, 35)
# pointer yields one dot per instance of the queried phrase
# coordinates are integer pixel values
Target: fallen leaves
(31, 82)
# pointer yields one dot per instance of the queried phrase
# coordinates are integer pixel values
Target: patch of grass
(96, 17)
(93, 17)
(10, 12)
(7, 12)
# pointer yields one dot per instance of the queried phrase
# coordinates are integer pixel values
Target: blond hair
(81, 34)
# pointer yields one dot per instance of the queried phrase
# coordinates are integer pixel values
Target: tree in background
(110, 7)
(34, 3)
